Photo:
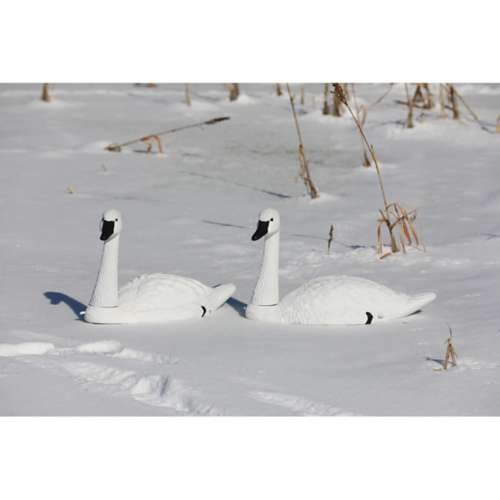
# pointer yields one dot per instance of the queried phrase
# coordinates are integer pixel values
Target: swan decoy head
(111, 224)
(268, 224)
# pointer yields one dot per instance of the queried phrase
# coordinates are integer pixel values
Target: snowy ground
(192, 211)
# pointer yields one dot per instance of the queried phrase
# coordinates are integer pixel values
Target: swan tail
(218, 297)
(418, 302)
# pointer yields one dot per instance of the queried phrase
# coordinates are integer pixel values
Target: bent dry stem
(304, 172)
(391, 210)
(116, 148)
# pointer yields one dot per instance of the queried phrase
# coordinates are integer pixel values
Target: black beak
(261, 230)
(107, 230)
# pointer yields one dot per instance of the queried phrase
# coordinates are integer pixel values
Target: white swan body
(151, 298)
(328, 300)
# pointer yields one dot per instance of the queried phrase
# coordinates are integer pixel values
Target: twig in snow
(45, 97)
(326, 107)
(381, 98)
(469, 109)
(330, 238)
(187, 93)
(410, 103)
(304, 164)
(451, 355)
(118, 147)
(234, 91)
(453, 101)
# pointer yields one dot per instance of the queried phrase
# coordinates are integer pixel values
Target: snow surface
(192, 210)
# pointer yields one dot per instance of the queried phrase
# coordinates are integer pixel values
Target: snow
(191, 211)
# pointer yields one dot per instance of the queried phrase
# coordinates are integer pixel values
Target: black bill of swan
(327, 300)
(148, 298)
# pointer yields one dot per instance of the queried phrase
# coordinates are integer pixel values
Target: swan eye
(272, 219)
(116, 220)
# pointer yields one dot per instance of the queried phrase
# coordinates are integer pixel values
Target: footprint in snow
(299, 405)
(154, 390)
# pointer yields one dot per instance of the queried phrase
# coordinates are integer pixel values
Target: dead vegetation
(187, 93)
(450, 356)
(148, 139)
(393, 215)
(304, 172)
(330, 239)
(45, 97)
(234, 91)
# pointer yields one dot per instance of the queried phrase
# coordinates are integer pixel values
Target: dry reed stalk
(381, 98)
(361, 114)
(279, 91)
(498, 124)
(470, 110)
(326, 107)
(442, 101)
(362, 119)
(337, 108)
(418, 96)
(304, 172)
(391, 211)
(302, 95)
(147, 140)
(399, 217)
(45, 97)
(453, 101)
(429, 97)
(116, 148)
(410, 104)
(330, 239)
(450, 355)
(234, 91)
(187, 93)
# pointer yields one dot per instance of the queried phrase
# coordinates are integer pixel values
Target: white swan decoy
(328, 300)
(148, 298)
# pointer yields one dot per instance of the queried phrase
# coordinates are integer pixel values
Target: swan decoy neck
(111, 224)
(268, 224)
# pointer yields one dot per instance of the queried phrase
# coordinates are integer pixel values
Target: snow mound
(26, 349)
(117, 350)
(101, 347)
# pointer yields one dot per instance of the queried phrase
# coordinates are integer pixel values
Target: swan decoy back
(148, 298)
(328, 300)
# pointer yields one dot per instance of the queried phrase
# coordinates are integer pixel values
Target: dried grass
(450, 356)
(410, 102)
(330, 239)
(304, 172)
(116, 148)
(45, 97)
(398, 218)
(393, 216)
(234, 91)
(187, 93)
